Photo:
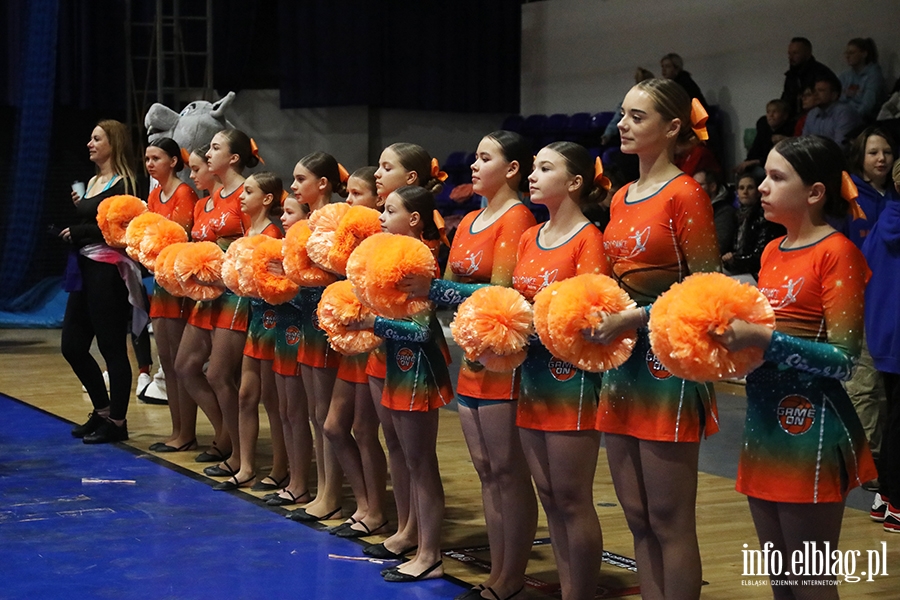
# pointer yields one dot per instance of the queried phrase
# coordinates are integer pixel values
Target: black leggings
(100, 310)
(889, 460)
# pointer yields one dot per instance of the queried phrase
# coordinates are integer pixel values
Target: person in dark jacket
(722, 199)
(672, 67)
(803, 73)
(753, 231)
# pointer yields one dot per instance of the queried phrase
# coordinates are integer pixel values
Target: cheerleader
(352, 424)
(174, 200)
(216, 330)
(416, 384)
(399, 165)
(484, 252)
(804, 448)
(292, 401)
(661, 230)
(557, 405)
(316, 178)
(261, 202)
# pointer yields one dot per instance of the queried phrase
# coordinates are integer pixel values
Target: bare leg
(338, 425)
(223, 373)
(563, 465)
(418, 436)
(508, 496)
(193, 352)
(269, 398)
(248, 417)
(787, 526)
(297, 433)
(168, 334)
(371, 454)
(319, 387)
(407, 534)
(670, 479)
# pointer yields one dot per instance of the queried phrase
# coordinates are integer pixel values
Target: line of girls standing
(543, 422)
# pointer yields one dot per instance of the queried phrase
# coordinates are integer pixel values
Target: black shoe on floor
(93, 423)
(108, 432)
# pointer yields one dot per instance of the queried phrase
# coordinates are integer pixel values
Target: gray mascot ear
(159, 118)
(219, 108)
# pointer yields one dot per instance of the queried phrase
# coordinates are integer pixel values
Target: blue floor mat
(155, 532)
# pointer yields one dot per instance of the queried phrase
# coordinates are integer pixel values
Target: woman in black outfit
(98, 305)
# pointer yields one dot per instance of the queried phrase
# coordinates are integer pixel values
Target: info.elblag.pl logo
(814, 560)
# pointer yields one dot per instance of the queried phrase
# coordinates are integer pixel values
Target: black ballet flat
(394, 575)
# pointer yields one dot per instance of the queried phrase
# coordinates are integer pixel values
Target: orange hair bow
(254, 150)
(850, 193)
(699, 116)
(601, 180)
(343, 174)
(442, 228)
(284, 196)
(436, 171)
(185, 156)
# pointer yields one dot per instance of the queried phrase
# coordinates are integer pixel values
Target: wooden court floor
(32, 370)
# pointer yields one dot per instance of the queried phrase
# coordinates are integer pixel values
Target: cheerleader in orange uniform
(316, 178)
(399, 165)
(557, 401)
(660, 231)
(484, 252)
(416, 384)
(352, 424)
(216, 330)
(292, 400)
(174, 200)
(261, 202)
(804, 448)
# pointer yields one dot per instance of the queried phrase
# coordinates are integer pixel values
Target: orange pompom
(273, 288)
(338, 308)
(502, 363)
(164, 269)
(297, 265)
(113, 216)
(541, 309)
(199, 269)
(323, 223)
(134, 233)
(682, 318)
(390, 258)
(359, 223)
(162, 234)
(237, 273)
(576, 306)
(494, 323)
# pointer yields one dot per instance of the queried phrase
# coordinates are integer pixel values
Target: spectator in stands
(807, 103)
(871, 158)
(723, 207)
(672, 67)
(611, 133)
(831, 118)
(863, 86)
(753, 231)
(771, 128)
(803, 73)
(891, 108)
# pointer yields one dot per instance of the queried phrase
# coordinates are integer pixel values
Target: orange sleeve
(183, 212)
(695, 227)
(516, 221)
(590, 257)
